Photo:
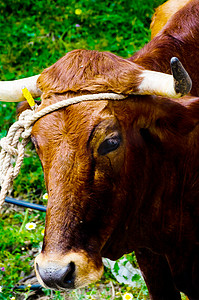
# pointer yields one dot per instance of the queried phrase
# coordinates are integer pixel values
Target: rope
(13, 145)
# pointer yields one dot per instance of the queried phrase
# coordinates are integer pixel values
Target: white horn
(11, 91)
(161, 84)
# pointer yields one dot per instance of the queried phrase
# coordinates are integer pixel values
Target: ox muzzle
(70, 271)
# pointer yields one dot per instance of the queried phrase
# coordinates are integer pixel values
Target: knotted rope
(13, 145)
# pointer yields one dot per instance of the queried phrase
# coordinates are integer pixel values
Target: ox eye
(109, 144)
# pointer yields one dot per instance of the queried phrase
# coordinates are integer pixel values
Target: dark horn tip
(174, 60)
(183, 83)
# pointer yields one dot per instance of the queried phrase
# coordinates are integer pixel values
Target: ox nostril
(57, 277)
(69, 275)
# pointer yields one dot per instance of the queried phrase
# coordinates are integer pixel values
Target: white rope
(13, 145)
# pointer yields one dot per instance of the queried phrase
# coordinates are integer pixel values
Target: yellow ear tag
(28, 97)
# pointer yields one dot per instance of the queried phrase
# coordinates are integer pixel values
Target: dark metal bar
(25, 204)
(33, 287)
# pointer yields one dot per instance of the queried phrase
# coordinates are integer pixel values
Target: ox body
(122, 176)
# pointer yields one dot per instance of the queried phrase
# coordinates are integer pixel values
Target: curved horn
(11, 91)
(161, 84)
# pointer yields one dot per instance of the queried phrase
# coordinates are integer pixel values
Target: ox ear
(171, 123)
(150, 137)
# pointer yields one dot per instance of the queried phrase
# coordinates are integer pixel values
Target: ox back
(163, 13)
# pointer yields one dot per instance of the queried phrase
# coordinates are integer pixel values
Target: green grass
(33, 35)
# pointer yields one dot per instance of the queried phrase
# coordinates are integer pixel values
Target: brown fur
(163, 13)
(87, 71)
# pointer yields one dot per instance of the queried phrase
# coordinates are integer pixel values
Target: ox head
(85, 152)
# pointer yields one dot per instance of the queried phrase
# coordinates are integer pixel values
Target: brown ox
(121, 176)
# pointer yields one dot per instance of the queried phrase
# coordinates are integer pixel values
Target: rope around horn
(13, 145)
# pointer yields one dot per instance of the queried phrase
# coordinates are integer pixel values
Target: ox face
(82, 164)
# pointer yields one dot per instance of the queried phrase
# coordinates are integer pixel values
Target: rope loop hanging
(13, 145)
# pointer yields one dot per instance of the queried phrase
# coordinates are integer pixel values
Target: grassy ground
(33, 35)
